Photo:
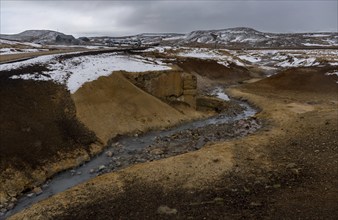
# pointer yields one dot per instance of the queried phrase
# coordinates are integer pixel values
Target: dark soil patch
(242, 199)
(215, 71)
(310, 79)
(37, 68)
(37, 120)
(300, 185)
(96, 52)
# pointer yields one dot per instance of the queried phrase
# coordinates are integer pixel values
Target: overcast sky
(116, 18)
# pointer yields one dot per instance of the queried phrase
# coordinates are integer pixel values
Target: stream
(154, 145)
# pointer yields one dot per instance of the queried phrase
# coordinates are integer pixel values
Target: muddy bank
(215, 71)
(151, 146)
(288, 170)
(45, 129)
(38, 126)
(113, 105)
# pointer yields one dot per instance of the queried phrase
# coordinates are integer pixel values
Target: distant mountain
(42, 37)
(248, 37)
(240, 37)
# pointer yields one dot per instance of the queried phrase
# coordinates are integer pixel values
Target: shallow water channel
(128, 150)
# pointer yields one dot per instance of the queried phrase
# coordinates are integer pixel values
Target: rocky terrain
(240, 37)
(135, 111)
(285, 170)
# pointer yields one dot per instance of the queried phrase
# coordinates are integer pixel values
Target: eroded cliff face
(169, 86)
(46, 130)
(40, 135)
(114, 105)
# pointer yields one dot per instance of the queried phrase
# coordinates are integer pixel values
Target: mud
(215, 71)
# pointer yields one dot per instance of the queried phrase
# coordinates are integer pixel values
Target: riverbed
(142, 148)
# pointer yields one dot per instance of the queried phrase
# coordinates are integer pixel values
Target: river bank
(288, 169)
(236, 121)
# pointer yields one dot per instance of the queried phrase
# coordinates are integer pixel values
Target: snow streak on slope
(76, 71)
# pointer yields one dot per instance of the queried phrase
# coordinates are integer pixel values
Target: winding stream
(135, 149)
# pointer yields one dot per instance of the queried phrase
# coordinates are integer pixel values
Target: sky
(118, 18)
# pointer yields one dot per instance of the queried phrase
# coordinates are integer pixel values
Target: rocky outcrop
(113, 105)
(169, 86)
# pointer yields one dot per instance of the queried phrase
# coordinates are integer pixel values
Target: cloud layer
(116, 18)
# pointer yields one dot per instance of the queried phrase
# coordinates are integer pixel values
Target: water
(132, 145)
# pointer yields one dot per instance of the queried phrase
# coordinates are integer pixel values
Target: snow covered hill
(240, 37)
(248, 37)
(42, 37)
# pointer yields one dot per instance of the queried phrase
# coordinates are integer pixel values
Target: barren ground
(287, 170)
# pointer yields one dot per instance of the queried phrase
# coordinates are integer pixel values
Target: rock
(3, 210)
(14, 199)
(30, 195)
(102, 167)
(37, 190)
(219, 200)
(291, 165)
(136, 135)
(78, 173)
(276, 186)
(163, 209)
(109, 153)
(255, 204)
(91, 171)
(156, 151)
(10, 206)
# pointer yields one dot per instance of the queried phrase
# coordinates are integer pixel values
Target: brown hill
(302, 79)
(113, 105)
(215, 71)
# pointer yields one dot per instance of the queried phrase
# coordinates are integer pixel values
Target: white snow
(158, 49)
(219, 93)
(199, 54)
(332, 73)
(299, 62)
(251, 59)
(321, 45)
(76, 71)
(10, 42)
(316, 35)
(6, 51)
(174, 38)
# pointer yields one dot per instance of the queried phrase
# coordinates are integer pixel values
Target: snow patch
(76, 71)
(219, 93)
(251, 59)
(332, 73)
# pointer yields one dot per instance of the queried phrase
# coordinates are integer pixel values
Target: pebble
(102, 167)
(163, 209)
(37, 190)
(291, 165)
(109, 153)
(10, 206)
(30, 195)
(91, 171)
(256, 204)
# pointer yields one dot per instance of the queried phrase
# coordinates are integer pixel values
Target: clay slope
(309, 79)
(113, 105)
(215, 71)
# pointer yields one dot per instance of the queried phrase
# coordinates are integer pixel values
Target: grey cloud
(131, 17)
